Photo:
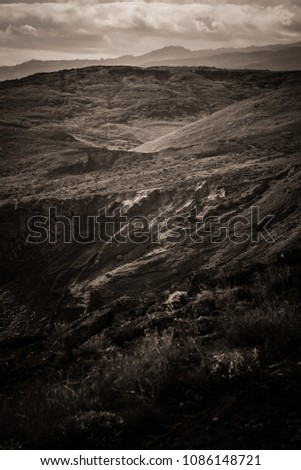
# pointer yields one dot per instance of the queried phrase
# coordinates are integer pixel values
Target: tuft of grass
(274, 329)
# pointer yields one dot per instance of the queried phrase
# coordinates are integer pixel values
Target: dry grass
(159, 369)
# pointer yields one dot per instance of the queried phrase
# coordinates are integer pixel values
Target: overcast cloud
(95, 29)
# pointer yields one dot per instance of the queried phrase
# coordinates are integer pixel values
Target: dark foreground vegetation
(219, 366)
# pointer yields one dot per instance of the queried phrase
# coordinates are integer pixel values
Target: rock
(176, 300)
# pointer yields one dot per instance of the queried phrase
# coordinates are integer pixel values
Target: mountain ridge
(249, 57)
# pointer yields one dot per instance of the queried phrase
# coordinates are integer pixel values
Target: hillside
(69, 117)
(151, 259)
(260, 120)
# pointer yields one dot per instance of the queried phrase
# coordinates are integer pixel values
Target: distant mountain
(37, 66)
(284, 59)
(272, 57)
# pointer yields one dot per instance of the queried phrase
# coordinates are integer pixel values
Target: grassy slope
(260, 118)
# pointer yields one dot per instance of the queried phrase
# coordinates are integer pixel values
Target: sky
(66, 29)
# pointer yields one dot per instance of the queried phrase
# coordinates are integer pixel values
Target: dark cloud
(95, 29)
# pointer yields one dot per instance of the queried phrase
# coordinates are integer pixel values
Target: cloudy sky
(103, 28)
